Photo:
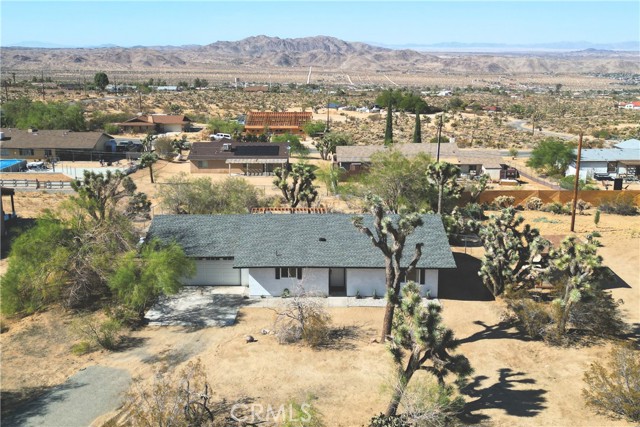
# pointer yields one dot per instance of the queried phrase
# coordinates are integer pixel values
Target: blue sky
(125, 23)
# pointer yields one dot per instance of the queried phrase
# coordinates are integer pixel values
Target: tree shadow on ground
(501, 330)
(342, 338)
(463, 282)
(503, 395)
(612, 280)
(19, 406)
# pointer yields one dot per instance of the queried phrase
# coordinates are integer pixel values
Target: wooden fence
(595, 197)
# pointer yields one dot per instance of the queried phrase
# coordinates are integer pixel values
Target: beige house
(37, 144)
(161, 123)
(233, 157)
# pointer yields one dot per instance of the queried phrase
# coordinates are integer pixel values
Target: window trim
(288, 273)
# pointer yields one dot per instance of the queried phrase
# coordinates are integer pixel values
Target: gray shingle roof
(294, 240)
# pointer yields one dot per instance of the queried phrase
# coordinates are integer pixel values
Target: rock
(249, 338)
(265, 332)
(374, 341)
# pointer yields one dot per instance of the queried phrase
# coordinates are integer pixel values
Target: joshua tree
(509, 252)
(443, 174)
(418, 331)
(301, 188)
(390, 237)
(148, 159)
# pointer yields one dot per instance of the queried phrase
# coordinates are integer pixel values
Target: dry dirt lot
(517, 382)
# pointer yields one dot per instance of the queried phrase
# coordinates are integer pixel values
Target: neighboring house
(161, 123)
(259, 122)
(471, 162)
(248, 158)
(635, 105)
(622, 160)
(51, 144)
(322, 253)
(354, 157)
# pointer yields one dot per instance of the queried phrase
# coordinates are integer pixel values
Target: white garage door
(215, 272)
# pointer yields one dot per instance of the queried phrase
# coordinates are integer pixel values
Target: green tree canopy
(101, 80)
(552, 156)
(399, 181)
(329, 141)
(24, 113)
(296, 184)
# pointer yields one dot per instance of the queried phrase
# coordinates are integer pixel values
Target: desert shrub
(557, 208)
(303, 318)
(534, 318)
(106, 334)
(615, 390)
(111, 129)
(163, 402)
(533, 203)
(504, 201)
(622, 204)
(83, 347)
(582, 206)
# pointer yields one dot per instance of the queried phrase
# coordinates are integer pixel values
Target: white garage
(215, 272)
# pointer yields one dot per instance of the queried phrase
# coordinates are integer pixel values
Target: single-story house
(51, 144)
(622, 160)
(323, 253)
(259, 122)
(248, 158)
(471, 162)
(354, 157)
(635, 105)
(161, 123)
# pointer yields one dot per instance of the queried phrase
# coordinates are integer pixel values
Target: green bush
(504, 201)
(83, 347)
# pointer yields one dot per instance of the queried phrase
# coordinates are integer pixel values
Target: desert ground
(517, 382)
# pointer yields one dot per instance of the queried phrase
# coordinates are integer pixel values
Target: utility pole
(576, 184)
(440, 124)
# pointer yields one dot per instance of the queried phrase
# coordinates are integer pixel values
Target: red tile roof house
(260, 122)
(245, 158)
(635, 105)
(160, 123)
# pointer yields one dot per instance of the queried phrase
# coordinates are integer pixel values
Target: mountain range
(324, 52)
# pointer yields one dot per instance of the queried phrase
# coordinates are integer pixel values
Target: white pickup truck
(219, 136)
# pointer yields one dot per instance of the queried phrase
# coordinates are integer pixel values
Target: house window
(48, 152)
(612, 167)
(417, 275)
(5, 153)
(26, 152)
(204, 164)
(288, 272)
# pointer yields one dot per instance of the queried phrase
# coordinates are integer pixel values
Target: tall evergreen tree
(388, 130)
(417, 132)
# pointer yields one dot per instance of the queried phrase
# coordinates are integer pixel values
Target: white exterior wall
(587, 169)
(430, 287)
(366, 280)
(244, 277)
(494, 174)
(262, 281)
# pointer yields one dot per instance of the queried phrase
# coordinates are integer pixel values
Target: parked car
(602, 177)
(219, 136)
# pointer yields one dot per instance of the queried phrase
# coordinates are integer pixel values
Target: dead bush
(615, 390)
(303, 318)
(534, 317)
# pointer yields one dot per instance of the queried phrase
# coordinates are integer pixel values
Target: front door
(337, 282)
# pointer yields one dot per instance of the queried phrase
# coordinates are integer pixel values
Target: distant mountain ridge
(319, 51)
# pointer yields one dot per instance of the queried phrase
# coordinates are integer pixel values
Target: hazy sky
(157, 22)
